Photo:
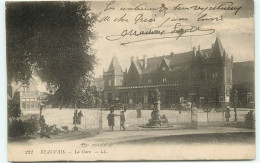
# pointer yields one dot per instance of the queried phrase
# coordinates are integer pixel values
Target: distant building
(25, 94)
(99, 83)
(244, 82)
(198, 76)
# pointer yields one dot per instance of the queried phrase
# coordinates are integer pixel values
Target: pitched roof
(114, 65)
(218, 48)
(167, 61)
(17, 86)
(138, 66)
(173, 61)
(178, 61)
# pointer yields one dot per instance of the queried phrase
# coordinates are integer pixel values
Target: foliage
(52, 40)
(14, 110)
(19, 128)
(16, 128)
(90, 94)
(31, 126)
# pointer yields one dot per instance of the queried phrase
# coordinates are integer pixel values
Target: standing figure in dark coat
(80, 115)
(250, 119)
(125, 108)
(75, 117)
(227, 113)
(111, 120)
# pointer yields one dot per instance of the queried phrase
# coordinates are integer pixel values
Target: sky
(236, 32)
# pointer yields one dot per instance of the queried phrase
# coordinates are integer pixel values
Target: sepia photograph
(130, 80)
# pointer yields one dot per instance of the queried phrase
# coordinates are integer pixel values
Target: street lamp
(235, 103)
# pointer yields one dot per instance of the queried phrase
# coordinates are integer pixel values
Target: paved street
(174, 140)
(124, 136)
(90, 118)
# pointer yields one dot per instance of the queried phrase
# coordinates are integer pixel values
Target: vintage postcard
(130, 80)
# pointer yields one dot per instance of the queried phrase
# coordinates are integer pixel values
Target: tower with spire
(219, 69)
(114, 74)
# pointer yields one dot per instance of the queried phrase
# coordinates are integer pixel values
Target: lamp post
(235, 103)
(75, 118)
(101, 99)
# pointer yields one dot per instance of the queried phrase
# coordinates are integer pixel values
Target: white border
(3, 85)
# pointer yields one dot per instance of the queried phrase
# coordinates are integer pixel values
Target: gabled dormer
(165, 65)
(134, 72)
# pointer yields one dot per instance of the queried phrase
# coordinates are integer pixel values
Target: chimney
(199, 47)
(145, 62)
(172, 54)
(194, 51)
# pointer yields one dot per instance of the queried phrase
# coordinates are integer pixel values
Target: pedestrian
(249, 119)
(125, 108)
(227, 113)
(80, 115)
(111, 120)
(138, 111)
(122, 120)
(75, 117)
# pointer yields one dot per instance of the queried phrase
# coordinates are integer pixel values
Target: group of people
(249, 117)
(111, 118)
(77, 117)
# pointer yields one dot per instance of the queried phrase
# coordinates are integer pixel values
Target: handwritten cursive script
(161, 32)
